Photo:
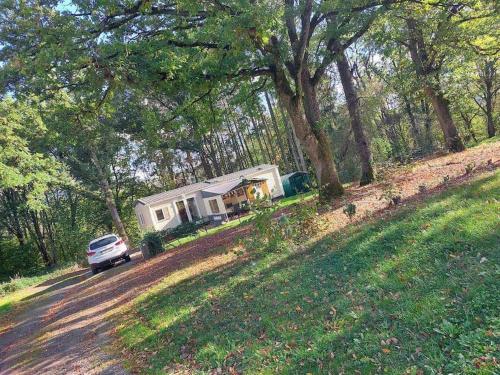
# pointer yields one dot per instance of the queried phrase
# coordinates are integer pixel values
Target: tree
(25, 173)
(488, 82)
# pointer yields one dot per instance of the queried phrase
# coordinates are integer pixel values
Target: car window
(103, 242)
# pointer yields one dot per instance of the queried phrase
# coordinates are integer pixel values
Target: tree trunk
(352, 99)
(441, 107)
(213, 154)
(108, 196)
(294, 142)
(318, 147)
(224, 159)
(38, 236)
(205, 164)
(244, 144)
(267, 137)
(413, 123)
(277, 132)
(426, 111)
(468, 125)
(489, 120)
(488, 78)
(260, 139)
(315, 139)
(428, 72)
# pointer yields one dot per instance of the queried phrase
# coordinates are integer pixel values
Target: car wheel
(127, 258)
(95, 271)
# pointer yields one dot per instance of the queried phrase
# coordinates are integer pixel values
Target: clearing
(413, 289)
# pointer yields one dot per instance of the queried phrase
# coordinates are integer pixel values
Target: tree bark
(413, 123)
(317, 145)
(441, 107)
(277, 132)
(429, 74)
(204, 163)
(108, 196)
(267, 137)
(352, 99)
(294, 142)
(260, 139)
(487, 74)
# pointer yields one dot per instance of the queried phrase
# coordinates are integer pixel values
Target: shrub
(154, 243)
(349, 210)
(391, 195)
(470, 167)
(184, 230)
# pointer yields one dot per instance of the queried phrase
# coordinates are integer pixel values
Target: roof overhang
(221, 189)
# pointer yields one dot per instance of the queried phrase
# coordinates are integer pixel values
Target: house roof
(241, 174)
(220, 189)
(236, 176)
(166, 195)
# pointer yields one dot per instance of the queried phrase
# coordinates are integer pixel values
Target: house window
(240, 192)
(141, 219)
(214, 206)
(160, 216)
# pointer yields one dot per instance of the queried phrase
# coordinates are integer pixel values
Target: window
(102, 242)
(160, 215)
(240, 192)
(214, 206)
(141, 219)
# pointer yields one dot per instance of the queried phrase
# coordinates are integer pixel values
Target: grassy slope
(17, 289)
(425, 279)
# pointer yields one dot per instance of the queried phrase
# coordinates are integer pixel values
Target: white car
(106, 250)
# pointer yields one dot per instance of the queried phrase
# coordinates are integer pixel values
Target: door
(181, 208)
(193, 210)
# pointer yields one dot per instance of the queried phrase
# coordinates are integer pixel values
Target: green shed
(295, 183)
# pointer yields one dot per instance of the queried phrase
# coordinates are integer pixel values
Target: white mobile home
(212, 199)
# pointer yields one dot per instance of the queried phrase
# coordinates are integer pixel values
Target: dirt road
(65, 327)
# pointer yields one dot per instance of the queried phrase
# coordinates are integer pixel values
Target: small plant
(391, 195)
(349, 210)
(470, 167)
(446, 180)
(422, 188)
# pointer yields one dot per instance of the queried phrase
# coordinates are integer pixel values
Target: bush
(350, 210)
(469, 167)
(392, 195)
(183, 230)
(18, 260)
(154, 243)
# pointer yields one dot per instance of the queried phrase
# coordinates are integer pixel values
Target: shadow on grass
(416, 291)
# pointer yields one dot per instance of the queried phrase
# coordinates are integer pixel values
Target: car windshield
(102, 242)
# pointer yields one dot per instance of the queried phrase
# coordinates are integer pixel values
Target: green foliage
(22, 166)
(18, 260)
(349, 210)
(391, 194)
(414, 293)
(154, 243)
(182, 230)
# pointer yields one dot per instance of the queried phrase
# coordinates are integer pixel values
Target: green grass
(18, 288)
(282, 203)
(414, 292)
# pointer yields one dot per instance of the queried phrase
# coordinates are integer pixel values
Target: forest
(103, 102)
